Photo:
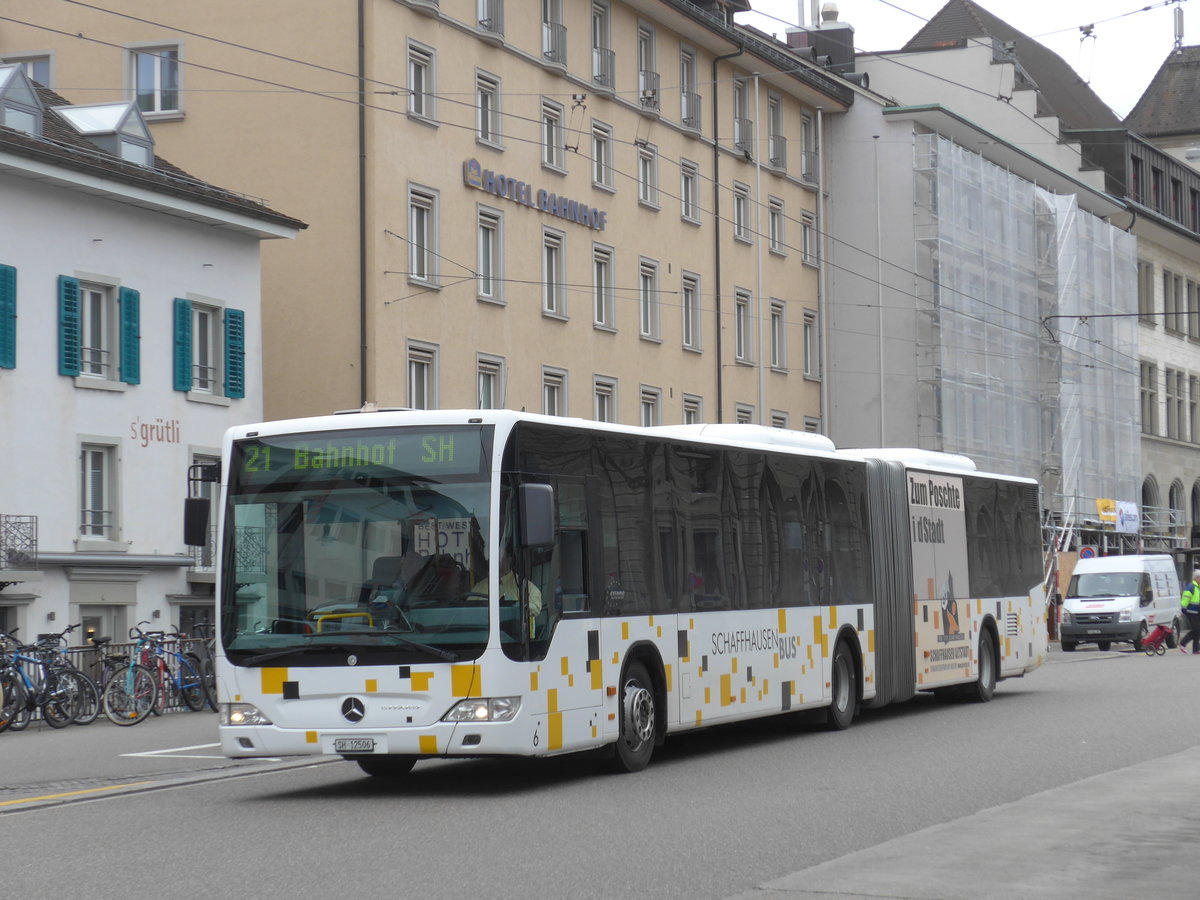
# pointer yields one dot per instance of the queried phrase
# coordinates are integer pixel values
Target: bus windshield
(370, 542)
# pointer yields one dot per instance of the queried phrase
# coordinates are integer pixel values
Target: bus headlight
(484, 709)
(1064, 618)
(242, 714)
(1126, 615)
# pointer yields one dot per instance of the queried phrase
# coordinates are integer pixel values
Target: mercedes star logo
(353, 709)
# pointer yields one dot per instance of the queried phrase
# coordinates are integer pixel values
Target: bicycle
(32, 683)
(130, 692)
(83, 690)
(206, 643)
(176, 673)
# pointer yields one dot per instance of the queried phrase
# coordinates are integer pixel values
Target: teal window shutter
(68, 325)
(131, 338)
(8, 317)
(183, 344)
(235, 353)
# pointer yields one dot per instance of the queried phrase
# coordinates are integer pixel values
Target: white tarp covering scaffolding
(1027, 361)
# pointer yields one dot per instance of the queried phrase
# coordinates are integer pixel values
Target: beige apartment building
(603, 209)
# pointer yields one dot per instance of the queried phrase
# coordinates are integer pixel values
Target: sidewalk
(1129, 833)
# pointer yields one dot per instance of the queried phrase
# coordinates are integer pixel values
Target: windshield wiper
(276, 654)
(447, 655)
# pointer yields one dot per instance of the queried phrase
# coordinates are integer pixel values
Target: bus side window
(571, 588)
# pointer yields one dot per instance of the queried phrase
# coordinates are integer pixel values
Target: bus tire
(843, 685)
(639, 720)
(385, 766)
(984, 687)
(1067, 646)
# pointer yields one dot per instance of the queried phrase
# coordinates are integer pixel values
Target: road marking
(114, 787)
(178, 752)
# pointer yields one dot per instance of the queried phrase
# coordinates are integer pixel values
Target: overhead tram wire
(399, 90)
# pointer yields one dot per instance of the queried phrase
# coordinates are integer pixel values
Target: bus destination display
(359, 454)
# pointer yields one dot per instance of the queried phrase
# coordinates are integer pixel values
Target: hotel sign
(522, 192)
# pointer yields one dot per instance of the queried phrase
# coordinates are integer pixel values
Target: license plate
(1093, 631)
(354, 745)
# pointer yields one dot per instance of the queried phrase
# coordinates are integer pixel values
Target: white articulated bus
(398, 585)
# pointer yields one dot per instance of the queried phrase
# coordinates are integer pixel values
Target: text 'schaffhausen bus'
(401, 585)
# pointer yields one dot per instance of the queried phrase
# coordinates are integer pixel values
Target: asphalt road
(1076, 781)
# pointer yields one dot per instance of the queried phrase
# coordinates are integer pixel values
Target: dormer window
(20, 107)
(117, 128)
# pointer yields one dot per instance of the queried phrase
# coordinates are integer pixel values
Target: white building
(129, 340)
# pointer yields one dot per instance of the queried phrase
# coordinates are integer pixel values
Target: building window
(421, 96)
(487, 108)
(812, 348)
(778, 336)
(604, 390)
(97, 327)
(647, 173)
(1149, 375)
(742, 326)
(1172, 301)
(554, 392)
(36, 68)
(648, 300)
(689, 191)
(553, 145)
(422, 235)
(1146, 292)
(743, 127)
(97, 491)
(776, 142)
(808, 240)
(1194, 410)
(651, 406)
(554, 288)
(808, 149)
(1176, 384)
(422, 375)
(490, 381)
(99, 332)
(489, 256)
(776, 240)
(204, 348)
(741, 212)
(210, 355)
(647, 68)
(743, 413)
(692, 323)
(693, 410)
(156, 79)
(602, 169)
(603, 304)
(554, 32)
(1193, 309)
(689, 98)
(603, 58)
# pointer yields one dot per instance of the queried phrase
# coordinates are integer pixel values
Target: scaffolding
(1026, 346)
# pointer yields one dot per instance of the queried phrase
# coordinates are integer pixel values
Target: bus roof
(742, 435)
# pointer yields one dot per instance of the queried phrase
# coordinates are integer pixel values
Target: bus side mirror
(195, 521)
(537, 516)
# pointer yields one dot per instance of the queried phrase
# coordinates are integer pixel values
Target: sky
(1128, 42)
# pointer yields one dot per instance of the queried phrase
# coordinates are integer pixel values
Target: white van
(1120, 598)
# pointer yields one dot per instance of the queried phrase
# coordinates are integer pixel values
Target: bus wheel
(385, 766)
(840, 713)
(1068, 646)
(636, 743)
(983, 689)
(1174, 635)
